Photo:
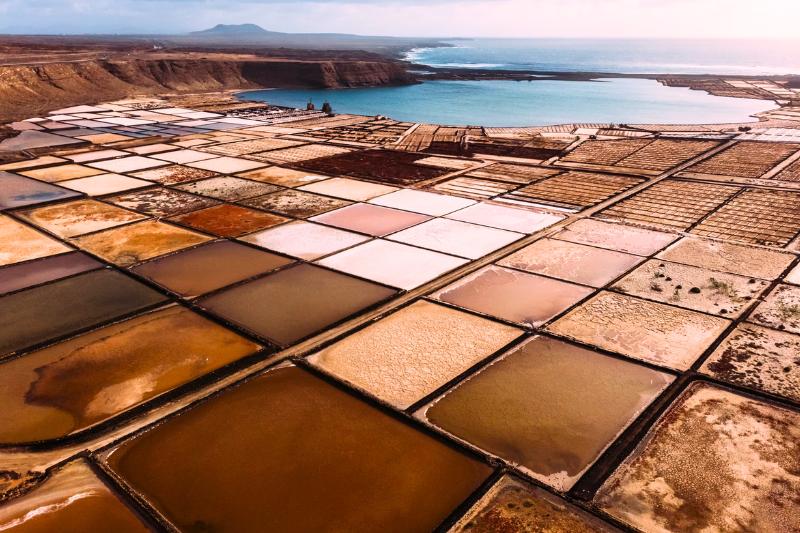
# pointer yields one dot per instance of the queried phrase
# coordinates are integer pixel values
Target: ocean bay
(502, 103)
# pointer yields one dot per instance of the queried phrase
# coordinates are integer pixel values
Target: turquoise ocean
(616, 100)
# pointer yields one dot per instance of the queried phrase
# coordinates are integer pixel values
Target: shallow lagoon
(520, 103)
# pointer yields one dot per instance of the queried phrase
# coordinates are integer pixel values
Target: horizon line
(4, 32)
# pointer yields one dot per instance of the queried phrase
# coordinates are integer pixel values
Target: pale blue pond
(511, 103)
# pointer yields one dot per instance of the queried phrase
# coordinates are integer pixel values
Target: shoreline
(245, 208)
(416, 114)
(578, 75)
(56, 74)
(781, 68)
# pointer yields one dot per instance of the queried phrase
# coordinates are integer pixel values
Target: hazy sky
(468, 18)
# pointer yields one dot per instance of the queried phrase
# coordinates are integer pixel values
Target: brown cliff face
(325, 74)
(27, 90)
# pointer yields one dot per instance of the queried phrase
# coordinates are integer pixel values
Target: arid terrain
(35, 79)
(42, 73)
(222, 314)
(226, 315)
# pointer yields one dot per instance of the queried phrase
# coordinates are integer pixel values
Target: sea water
(541, 102)
(626, 56)
(546, 101)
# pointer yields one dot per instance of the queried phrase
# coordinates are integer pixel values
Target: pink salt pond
(512, 295)
(392, 263)
(304, 239)
(507, 218)
(427, 203)
(456, 238)
(370, 219)
(572, 262)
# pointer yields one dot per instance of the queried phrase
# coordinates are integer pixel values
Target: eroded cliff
(27, 90)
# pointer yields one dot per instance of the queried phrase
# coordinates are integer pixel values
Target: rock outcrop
(27, 90)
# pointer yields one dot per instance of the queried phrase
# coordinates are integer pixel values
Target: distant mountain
(246, 35)
(235, 30)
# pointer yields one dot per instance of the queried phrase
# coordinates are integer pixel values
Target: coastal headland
(42, 73)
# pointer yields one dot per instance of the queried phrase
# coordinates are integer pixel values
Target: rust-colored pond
(71, 500)
(288, 452)
(74, 384)
(548, 406)
(291, 304)
(48, 311)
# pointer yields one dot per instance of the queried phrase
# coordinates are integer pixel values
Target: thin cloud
(416, 18)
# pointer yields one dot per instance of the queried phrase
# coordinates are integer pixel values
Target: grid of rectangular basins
(382, 131)
(790, 173)
(249, 147)
(572, 190)
(604, 152)
(670, 204)
(664, 154)
(570, 380)
(474, 187)
(384, 166)
(328, 121)
(299, 153)
(521, 174)
(419, 139)
(747, 159)
(645, 154)
(494, 180)
(756, 216)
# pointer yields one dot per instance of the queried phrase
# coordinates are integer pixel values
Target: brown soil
(7, 133)
(13, 484)
(35, 79)
(536, 149)
(42, 73)
(385, 166)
